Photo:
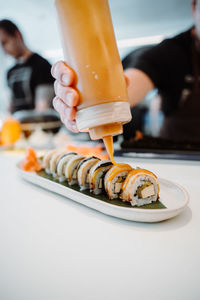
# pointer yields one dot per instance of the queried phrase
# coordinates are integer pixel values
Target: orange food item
(88, 151)
(138, 135)
(31, 163)
(10, 132)
(121, 168)
(137, 172)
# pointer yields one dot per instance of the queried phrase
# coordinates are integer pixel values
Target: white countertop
(55, 249)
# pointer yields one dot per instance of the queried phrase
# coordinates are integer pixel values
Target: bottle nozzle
(102, 131)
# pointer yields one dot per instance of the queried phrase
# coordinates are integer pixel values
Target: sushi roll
(140, 187)
(71, 169)
(83, 171)
(61, 164)
(114, 179)
(46, 160)
(96, 176)
(53, 161)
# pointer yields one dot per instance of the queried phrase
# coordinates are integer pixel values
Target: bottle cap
(102, 114)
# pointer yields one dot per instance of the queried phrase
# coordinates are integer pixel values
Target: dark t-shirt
(23, 79)
(170, 67)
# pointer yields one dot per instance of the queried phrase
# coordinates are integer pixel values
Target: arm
(43, 96)
(42, 84)
(9, 104)
(139, 84)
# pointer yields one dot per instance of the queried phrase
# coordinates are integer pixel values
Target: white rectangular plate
(173, 196)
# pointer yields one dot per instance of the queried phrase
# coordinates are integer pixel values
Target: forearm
(139, 84)
(43, 97)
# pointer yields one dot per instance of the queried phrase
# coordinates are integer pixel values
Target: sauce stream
(108, 142)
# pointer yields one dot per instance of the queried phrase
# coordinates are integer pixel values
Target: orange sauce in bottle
(90, 49)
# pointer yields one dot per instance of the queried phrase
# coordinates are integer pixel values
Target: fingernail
(53, 70)
(55, 103)
(65, 79)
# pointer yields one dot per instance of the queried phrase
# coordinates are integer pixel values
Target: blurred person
(173, 67)
(30, 79)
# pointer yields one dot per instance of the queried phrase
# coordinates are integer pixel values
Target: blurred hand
(67, 97)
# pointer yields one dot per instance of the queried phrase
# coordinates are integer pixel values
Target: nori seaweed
(102, 197)
(104, 165)
(86, 159)
(64, 155)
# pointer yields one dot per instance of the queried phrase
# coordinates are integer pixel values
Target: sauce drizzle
(108, 142)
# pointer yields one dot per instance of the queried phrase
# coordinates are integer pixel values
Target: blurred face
(196, 16)
(11, 45)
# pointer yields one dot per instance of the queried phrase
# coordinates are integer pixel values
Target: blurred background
(137, 23)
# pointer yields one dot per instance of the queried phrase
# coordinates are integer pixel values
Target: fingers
(71, 125)
(68, 95)
(61, 72)
(64, 110)
(67, 114)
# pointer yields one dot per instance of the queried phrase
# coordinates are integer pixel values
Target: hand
(67, 97)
